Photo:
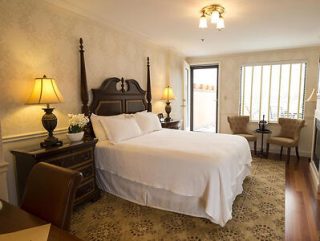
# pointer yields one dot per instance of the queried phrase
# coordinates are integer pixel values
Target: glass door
(204, 98)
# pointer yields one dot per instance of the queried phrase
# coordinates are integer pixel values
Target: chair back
(49, 193)
(291, 128)
(238, 124)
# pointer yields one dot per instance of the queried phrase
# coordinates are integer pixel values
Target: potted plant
(76, 126)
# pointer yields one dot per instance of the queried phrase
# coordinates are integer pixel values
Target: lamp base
(49, 122)
(168, 111)
(51, 143)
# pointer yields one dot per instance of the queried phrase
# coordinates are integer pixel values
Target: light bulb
(215, 16)
(203, 22)
(220, 23)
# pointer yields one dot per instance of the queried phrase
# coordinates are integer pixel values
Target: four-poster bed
(114, 96)
(197, 174)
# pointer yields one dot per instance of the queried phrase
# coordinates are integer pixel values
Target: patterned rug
(258, 214)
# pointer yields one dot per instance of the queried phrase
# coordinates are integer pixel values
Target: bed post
(83, 79)
(88, 131)
(149, 97)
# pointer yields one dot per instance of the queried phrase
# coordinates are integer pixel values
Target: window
(273, 90)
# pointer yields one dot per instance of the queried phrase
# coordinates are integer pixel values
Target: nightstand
(76, 156)
(172, 124)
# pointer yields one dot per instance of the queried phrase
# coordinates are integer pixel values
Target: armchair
(238, 126)
(289, 136)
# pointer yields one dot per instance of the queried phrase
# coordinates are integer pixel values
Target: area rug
(258, 214)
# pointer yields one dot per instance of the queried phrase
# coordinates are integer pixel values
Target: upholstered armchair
(289, 136)
(239, 126)
(49, 193)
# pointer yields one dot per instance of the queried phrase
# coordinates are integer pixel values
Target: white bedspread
(205, 165)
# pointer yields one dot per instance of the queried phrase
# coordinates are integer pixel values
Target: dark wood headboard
(115, 95)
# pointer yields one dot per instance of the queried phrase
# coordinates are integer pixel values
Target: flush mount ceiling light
(215, 13)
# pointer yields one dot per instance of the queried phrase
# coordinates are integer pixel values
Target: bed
(198, 174)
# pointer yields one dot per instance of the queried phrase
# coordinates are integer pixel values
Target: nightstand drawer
(84, 156)
(60, 160)
(85, 189)
(73, 160)
(87, 171)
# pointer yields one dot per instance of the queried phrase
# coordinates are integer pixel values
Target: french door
(204, 98)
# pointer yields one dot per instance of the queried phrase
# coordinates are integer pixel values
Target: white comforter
(205, 165)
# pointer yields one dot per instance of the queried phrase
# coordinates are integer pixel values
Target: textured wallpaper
(39, 38)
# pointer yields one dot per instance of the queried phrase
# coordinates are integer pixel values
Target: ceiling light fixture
(215, 12)
(203, 22)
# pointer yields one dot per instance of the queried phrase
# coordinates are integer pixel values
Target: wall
(3, 174)
(39, 38)
(315, 174)
(230, 85)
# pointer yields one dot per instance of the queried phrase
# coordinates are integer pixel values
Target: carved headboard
(115, 96)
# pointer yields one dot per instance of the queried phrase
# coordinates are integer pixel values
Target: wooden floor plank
(302, 206)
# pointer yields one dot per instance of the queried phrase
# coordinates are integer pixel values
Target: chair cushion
(282, 141)
(249, 137)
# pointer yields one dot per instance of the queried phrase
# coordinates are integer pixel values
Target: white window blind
(273, 90)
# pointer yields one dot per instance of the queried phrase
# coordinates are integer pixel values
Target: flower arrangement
(77, 123)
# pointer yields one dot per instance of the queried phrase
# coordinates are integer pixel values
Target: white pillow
(148, 122)
(120, 129)
(97, 127)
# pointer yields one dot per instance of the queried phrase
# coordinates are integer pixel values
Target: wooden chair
(238, 126)
(289, 136)
(50, 192)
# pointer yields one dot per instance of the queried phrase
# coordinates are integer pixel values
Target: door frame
(209, 66)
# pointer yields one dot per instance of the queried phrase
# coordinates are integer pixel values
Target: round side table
(262, 132)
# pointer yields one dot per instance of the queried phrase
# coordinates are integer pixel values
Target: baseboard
(284, 154)
(276, 150)
(32, 135)
(314, 179)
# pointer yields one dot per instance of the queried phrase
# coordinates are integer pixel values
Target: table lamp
(167, 96)
(45, 91)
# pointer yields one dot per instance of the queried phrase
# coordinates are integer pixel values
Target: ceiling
(251, 25)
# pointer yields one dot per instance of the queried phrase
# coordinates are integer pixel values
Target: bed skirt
(156, 197)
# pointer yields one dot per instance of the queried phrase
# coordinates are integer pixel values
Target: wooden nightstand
(77, 156)
(172, 124)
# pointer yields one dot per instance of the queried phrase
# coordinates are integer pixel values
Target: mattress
(206, 167)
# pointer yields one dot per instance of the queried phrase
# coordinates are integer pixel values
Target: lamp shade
(45, 91)
(220, 23)
(168, 94)
(215, 16)
(203, 22)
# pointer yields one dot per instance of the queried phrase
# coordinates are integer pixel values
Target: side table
(172, 124)
(262, 132)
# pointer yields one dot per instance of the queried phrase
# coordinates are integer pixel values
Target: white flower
(79, 120)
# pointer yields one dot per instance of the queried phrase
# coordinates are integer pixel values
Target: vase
(74, 137)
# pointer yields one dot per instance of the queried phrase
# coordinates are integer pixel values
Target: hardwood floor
(302, 215)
